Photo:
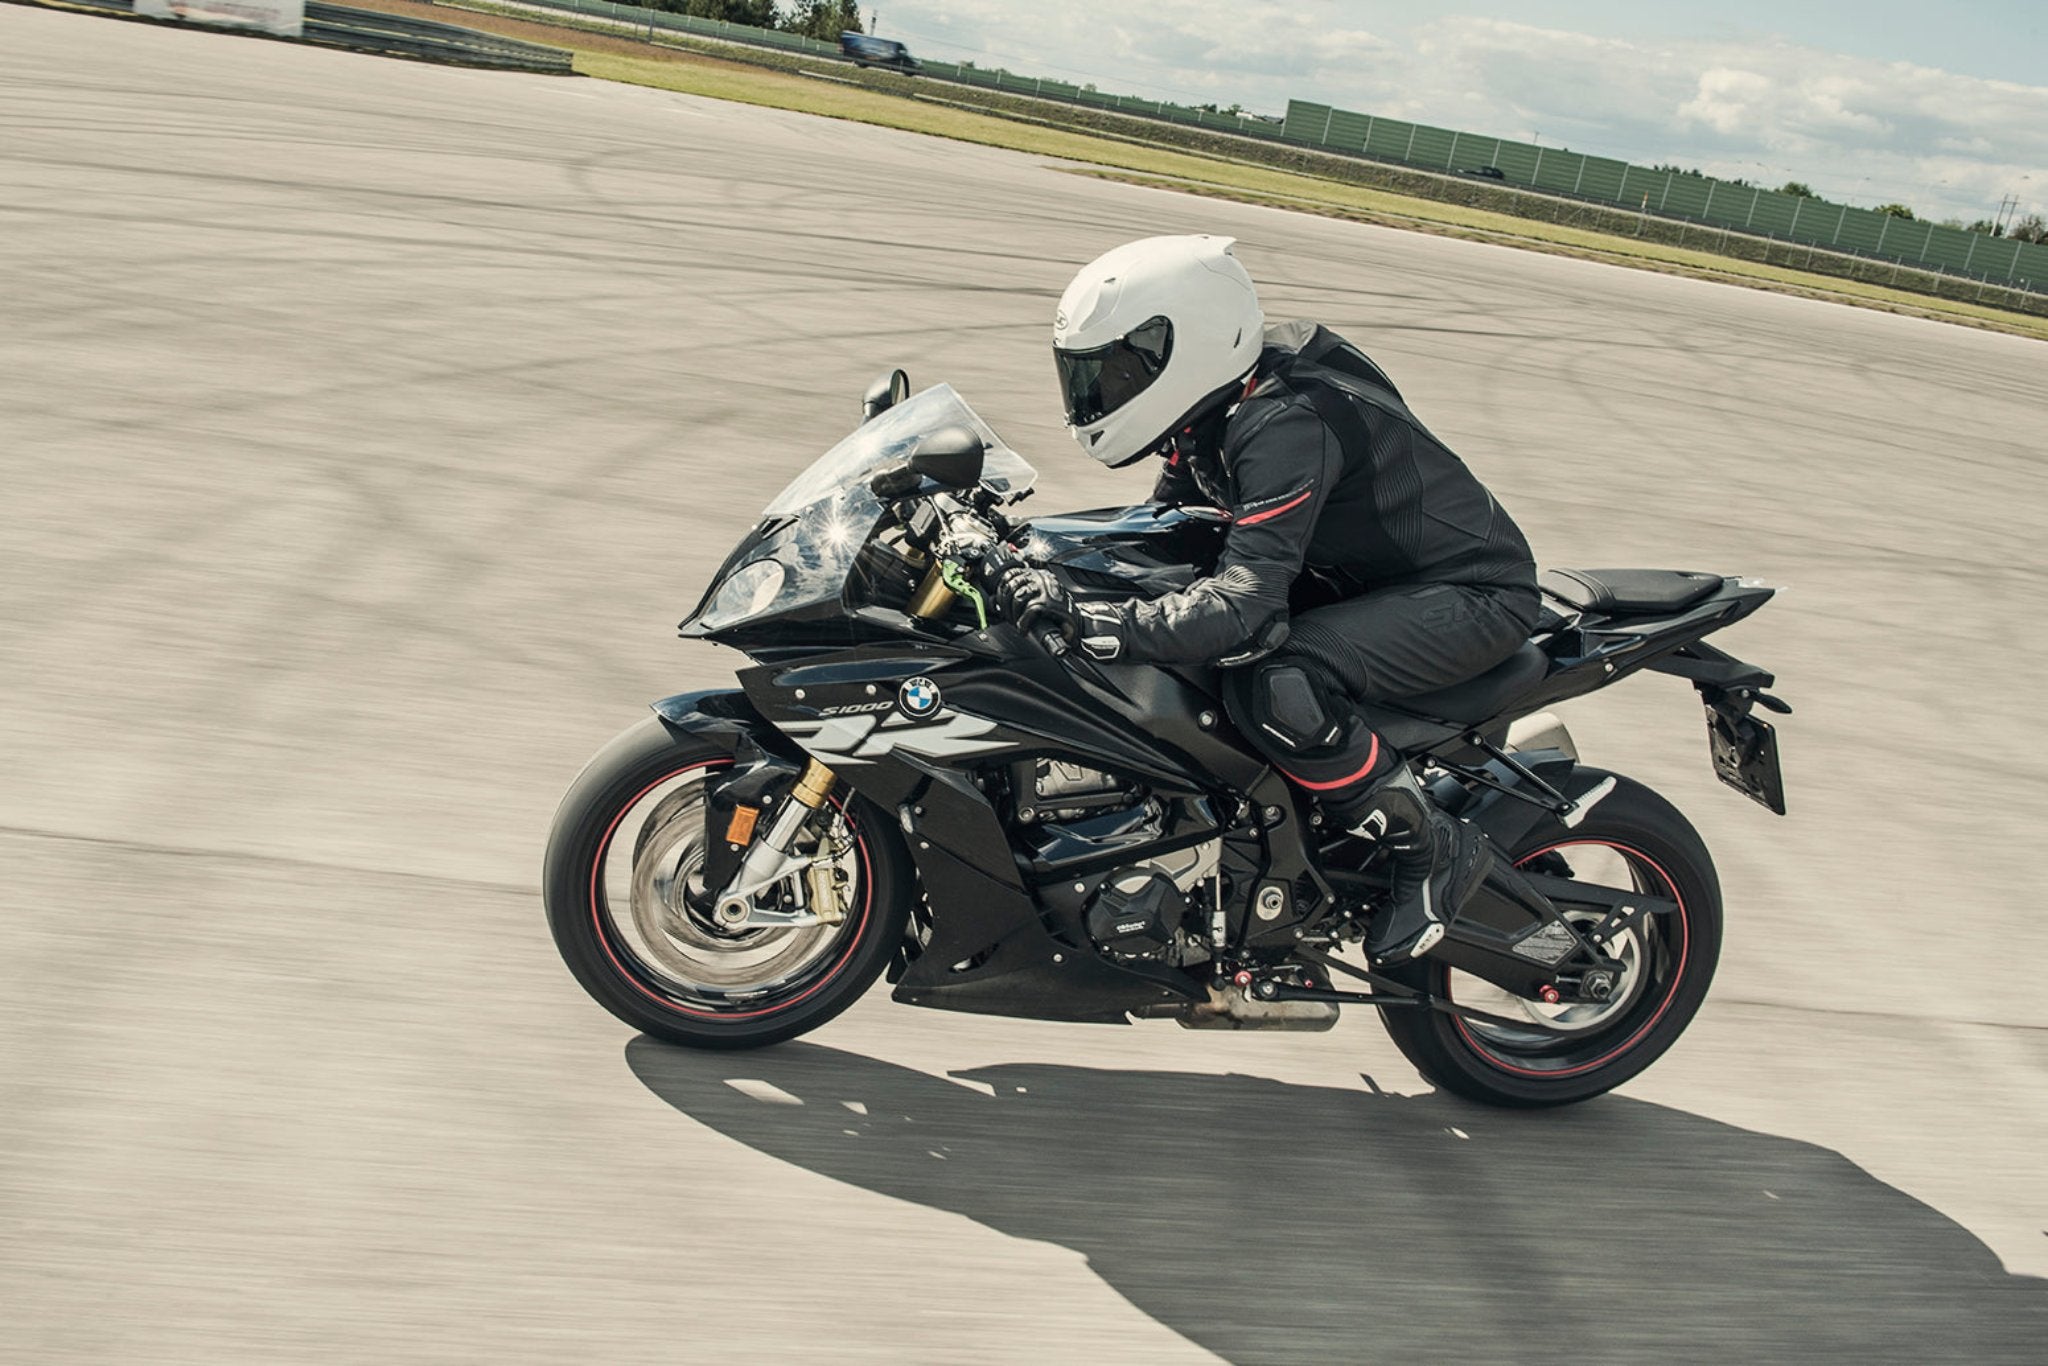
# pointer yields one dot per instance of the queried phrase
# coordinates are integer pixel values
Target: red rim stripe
(1677, 975)
(604, 940)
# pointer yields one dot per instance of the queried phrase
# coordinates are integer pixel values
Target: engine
(1153, 910)
(1136, 914)
(1156, 911)
(1062, 792)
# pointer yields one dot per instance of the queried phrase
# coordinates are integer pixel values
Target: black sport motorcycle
(902, 783)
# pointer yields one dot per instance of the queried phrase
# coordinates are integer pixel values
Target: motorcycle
(902, 784)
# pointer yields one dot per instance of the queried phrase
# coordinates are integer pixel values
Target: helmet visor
(1096, 382)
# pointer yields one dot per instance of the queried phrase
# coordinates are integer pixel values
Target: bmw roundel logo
(918, 698)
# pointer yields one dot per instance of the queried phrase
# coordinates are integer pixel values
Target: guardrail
(375, 31)
(364, 30)
(637, 19)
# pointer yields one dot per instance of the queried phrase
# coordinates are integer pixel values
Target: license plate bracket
(1745, 753)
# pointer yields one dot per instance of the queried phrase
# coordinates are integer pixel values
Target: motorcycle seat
(1488, 695)
(1628, 592)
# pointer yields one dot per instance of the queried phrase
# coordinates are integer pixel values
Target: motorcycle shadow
(1270, 1222)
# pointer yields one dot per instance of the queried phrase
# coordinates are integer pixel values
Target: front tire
(624, 844)
(1634, 839)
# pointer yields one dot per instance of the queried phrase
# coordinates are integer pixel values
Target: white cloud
(1765, 111)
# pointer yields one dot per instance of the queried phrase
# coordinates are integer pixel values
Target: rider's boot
(1437, 862)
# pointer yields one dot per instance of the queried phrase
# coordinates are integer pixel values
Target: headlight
(746, 592)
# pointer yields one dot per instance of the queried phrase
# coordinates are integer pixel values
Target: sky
(1941, 107)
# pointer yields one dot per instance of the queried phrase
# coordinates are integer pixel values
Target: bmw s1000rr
(902, 784)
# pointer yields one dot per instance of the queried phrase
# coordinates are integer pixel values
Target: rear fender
(1508, 820)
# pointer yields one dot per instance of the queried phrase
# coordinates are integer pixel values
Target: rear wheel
(626, 856)
(1631, 839)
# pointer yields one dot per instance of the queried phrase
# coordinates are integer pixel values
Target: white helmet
(1146, 334)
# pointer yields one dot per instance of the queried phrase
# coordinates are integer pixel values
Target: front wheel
(1634, 840)
(627, 849)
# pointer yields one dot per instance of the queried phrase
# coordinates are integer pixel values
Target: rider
(1364, 560)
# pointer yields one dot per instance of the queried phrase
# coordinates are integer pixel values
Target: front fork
(771, 859)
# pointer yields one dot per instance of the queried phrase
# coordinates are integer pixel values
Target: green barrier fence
(1675, 194)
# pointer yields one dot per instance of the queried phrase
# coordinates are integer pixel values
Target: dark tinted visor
(1097, 382)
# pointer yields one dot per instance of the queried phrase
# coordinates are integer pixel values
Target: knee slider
(1291, 706)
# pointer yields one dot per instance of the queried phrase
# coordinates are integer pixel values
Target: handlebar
(998, 559)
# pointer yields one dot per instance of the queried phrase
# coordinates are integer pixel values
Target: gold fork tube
(932, 597)
(815, 785)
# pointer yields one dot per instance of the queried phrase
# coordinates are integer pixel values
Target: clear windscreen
(806, 562)
(892, 436)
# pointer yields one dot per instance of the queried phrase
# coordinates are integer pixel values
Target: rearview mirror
(951, 456)
(885, 393)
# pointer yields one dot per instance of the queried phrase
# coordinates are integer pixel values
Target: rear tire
(1644, 836)
(619, 853)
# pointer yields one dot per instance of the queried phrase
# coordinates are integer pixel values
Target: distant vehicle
(1486, 172)
(864, 50)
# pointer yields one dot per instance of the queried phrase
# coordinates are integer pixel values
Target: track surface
(366, 427)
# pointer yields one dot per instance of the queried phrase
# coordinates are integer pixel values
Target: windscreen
(805, 562)
(892, 436)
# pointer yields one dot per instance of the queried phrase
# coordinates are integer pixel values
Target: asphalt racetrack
(365, 427)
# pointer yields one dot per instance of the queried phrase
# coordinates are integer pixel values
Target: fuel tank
(1151, 549)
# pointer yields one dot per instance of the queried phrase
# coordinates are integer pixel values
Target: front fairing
(816, 539)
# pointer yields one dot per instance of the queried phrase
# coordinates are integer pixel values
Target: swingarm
(1386, 994)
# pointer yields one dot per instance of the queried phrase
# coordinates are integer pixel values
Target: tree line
(823, 19)
(2032, 228)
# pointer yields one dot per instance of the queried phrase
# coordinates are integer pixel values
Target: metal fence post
(1840, 219)
(1328, 114)
(1411, 150)
(1882, 229)
(1665, 198)
(1454, 150)
(1754, 195)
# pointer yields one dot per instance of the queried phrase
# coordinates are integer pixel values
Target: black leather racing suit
(1364, 560)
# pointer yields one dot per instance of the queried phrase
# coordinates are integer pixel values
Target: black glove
(1030, 598)
(1027, 597)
